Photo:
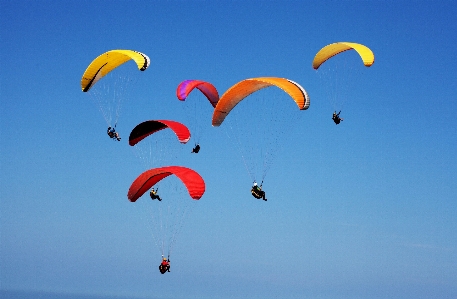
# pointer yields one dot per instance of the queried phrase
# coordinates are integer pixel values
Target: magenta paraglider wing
(149, 127)
(192, 180)
(186, 87)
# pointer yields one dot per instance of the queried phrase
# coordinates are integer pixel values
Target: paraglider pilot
(196, 149)
(113, 134)
(257, 192)
(336, 117)
(164, 266)
(154, 195)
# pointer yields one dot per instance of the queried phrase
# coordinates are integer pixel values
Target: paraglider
(158, 142)
(336, 117)
(192, 180)
(242, 89)
(113, 134)
(263, 117)
(331, 50)
(153, 194)
(196, 149)
(208, 89)
(196, 109)
(150, 127)
(257, 192)
(339, 71)
(164, 265)
(107, 62)
(108, 78)
(166, 219)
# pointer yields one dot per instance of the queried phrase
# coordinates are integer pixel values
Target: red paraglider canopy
(149, 127)
(192, 180)
(186, 87)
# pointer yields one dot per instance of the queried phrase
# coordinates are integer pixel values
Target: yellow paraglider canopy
(108, 61)
(333, 49)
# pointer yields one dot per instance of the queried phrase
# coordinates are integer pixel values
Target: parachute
(341, 74)
(336, 48)
(149, 127)
(242, 89)
(264, 118)
(115, 67)
(196, 111)
(108, 61)
(186, 87)
(159, 142)
(191, 179)
(165, 218)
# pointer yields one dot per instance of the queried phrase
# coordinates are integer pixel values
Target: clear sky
(365, 209)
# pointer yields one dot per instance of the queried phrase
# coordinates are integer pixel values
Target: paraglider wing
(192, 180)
(186, 87)
(108, 61)
(331, 50)
(149, 127)
(242, 89)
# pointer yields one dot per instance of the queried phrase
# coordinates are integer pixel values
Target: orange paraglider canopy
(242, 89)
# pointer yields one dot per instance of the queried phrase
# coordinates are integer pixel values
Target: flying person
(164, 266)
(154, 195)
(257, 192)
(196, 149)
(113, 134)
(110, 132)
(336, 117)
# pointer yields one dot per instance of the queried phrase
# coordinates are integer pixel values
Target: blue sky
(366, 209)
